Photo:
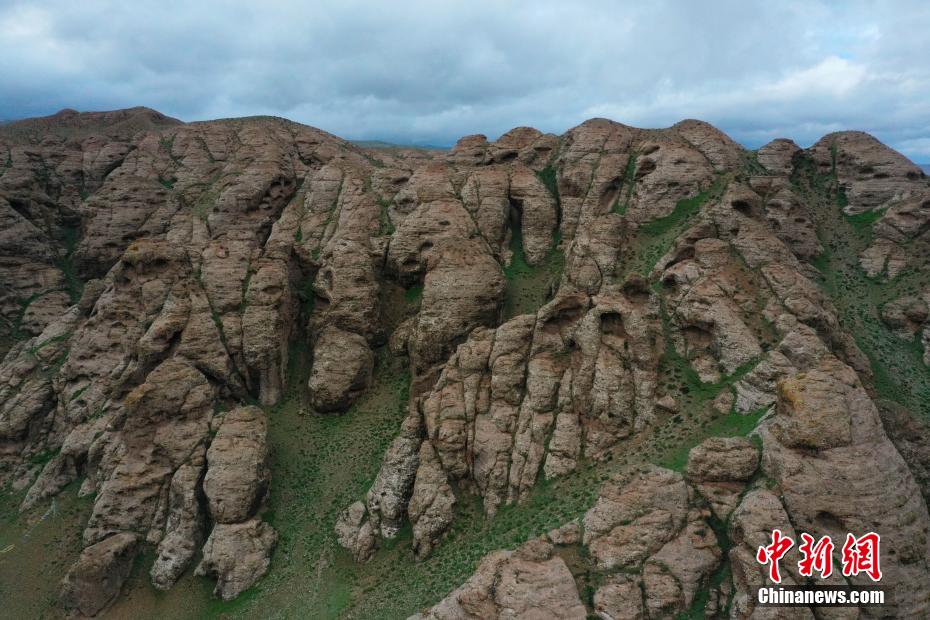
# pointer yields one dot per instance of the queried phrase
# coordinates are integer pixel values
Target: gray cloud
(433, 71)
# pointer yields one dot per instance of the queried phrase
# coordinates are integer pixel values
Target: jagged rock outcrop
(431, 501)
(826, 428)
(237, 474)
(650, 544)
(648, 531)
(238, 550)
(720, 468)
(872, 175)
(529, 582)
(238, 555)
(98, 575)
(158, 277)
(341, 371)
(778, 156)
(531, 398)
(634, 518)
(463, 288)
(901, 237)
(184, 526)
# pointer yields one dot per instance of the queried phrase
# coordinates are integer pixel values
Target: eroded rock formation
(157, 276)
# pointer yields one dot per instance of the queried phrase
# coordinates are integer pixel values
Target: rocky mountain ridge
(569, 308)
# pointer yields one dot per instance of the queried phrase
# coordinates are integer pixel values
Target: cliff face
(570, 308)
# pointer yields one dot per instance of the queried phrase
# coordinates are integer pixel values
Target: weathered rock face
(632, 520)
(237, 475)
(529, 582)
(98, 575)
(431, 501)
(184, 526)
(463, 288)
(650, 544)
(649, 533)
(872, 174)
(237, 554)
(824, 427)
(342, 365)
(719, 468)
(777, 156)
(156, 277)
(901, 237)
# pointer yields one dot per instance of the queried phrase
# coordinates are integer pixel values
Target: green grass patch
(548, 176)
(518, 267)
(862, 222)
(44, 456)
(627, 185)
(898, 371)
(41, 345)
(684, 210)
(74, 286)
(413, 294)
(385, 223)
(528, 286)
(653, 239)
(731, 425)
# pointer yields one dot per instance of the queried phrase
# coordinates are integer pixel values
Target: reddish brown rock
(635, 516)
(207, 249)
(95, 580)
(342, 364)
(238, 555)
(720, 468)
(237, 473)
(778, 156)
(525, 583)
(872, 174)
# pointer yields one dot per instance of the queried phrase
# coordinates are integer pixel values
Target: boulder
(98, 575)
(342, 367)
(237, 470)
(237, 555)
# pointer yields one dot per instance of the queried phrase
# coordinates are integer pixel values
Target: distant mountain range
(925, 168)
(381, 144)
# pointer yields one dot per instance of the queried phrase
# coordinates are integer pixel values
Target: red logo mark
(772, 553)
(817, 556)
(860, 555)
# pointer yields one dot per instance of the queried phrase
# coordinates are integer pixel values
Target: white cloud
(832, 76)
(432, 71)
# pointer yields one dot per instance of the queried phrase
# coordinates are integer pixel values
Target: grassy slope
(528, 286)
(652, 240)
(899, 373)
(35, 552)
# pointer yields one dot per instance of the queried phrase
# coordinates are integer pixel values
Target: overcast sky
(433, 71)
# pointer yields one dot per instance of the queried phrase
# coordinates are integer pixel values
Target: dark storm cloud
(433, 71)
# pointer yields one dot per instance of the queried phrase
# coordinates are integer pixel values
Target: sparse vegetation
(899, 374)
(322, 463)
(73, 284)
(387, 226)
(653, 239)
(528, 286)
(549, 178)
(413, 294)
(732, 425)
(627, 185)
